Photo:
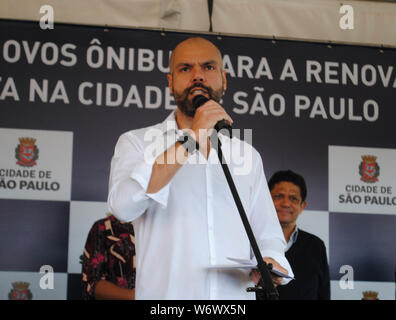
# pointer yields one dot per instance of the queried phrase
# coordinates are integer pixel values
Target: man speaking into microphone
(186, 223)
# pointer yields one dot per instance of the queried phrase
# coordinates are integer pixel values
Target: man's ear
(224, 80)
(303, 205)
(170, 82)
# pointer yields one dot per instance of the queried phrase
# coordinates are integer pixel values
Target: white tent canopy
(374, 23)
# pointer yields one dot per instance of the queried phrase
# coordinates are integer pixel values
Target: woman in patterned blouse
(108, 262)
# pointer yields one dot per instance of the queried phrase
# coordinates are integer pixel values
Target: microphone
(198, 101)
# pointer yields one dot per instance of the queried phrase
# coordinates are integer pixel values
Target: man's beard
(186, 106)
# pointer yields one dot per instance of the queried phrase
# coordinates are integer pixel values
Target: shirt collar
(169, 124)
(293, 239)
(294, 235)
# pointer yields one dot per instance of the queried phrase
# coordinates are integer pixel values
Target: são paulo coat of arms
(370, 295)
(369, 169)
(20, 291)
(26, 152)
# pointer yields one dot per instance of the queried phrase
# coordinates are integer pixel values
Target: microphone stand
(265, 290)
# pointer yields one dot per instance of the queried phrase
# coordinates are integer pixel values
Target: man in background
(305, 251)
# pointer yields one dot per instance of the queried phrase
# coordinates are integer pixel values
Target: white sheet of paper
(246, 263)
(231, 266)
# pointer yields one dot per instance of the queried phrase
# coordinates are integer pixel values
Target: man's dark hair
(289, 176)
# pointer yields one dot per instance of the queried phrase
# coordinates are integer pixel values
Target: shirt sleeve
(264, 221)
(324, 285)
(130, 174)
(93, 262)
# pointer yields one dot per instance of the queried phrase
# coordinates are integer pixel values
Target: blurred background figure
(306, 252)
(108, 261)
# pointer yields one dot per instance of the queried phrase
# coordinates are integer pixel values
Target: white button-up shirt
(192, 223)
